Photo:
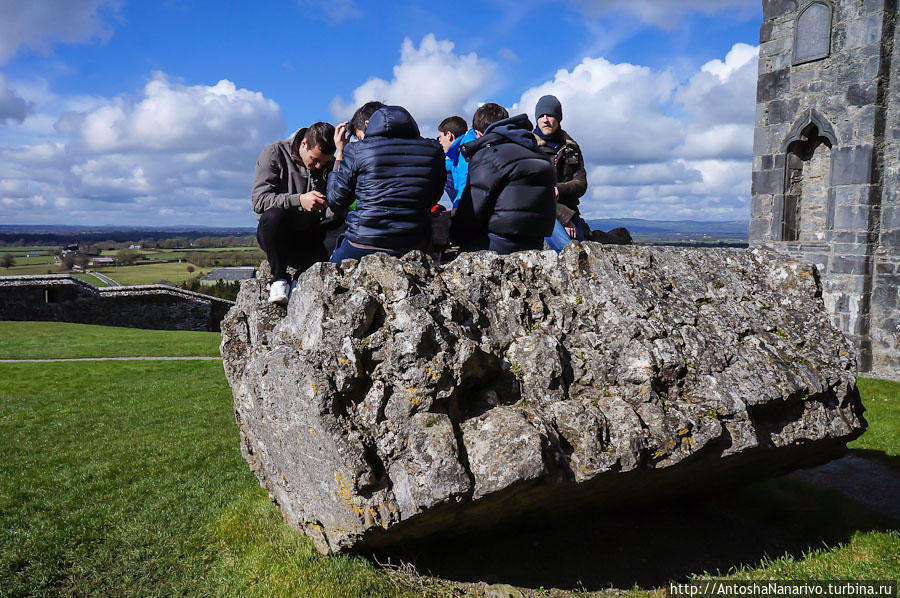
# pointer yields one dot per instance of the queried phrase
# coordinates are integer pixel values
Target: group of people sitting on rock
(513, 187)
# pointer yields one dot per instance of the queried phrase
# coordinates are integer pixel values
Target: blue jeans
(501, 245)
(346, 251)
(560, 238)
(505, 245)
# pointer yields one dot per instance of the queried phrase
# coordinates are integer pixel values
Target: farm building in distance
(229, 274)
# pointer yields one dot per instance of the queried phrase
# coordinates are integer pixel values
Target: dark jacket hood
(392, 121)
(515, 129)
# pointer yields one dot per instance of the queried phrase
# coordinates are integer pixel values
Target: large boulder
(395, 399)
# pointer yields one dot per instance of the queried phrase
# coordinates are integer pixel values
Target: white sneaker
(279, 291)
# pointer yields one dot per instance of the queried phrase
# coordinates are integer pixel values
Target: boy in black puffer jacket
(509, 203)
(395, 176)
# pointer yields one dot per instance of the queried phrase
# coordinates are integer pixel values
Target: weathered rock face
(394, 399)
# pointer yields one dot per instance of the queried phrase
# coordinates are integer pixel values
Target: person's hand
(341, 139)
(313, 202)
(571, 231)
(556, 190)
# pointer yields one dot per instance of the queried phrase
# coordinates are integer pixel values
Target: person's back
(510, 186)
(395, 176)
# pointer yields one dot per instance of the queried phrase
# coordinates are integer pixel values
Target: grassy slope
(126, 478)
(49, 340)
(90, 279)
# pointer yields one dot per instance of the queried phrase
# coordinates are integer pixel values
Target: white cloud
(431, 81)
(13, 108)
(667, 13)
(654, 148)
(616, 112)
(173, 117)
(718, 141)
(173, 151)
(724, 91)
(630, 175)
(38, 25)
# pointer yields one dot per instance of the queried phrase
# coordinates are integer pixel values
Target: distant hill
(678, 231)
(51, 234)
(647, 231)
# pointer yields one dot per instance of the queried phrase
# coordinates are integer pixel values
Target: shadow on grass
(890, 461)
(648, 545)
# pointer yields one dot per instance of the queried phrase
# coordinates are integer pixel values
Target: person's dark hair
(362, 114)
(454, 124)
(320, 135)
(487, 115)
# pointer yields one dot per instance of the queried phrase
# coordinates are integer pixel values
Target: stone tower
(826, 165)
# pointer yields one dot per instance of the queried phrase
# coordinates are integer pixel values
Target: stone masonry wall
(64, 298)
(885, 332)
(851, 97)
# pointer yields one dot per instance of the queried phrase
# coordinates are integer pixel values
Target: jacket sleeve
(576, 186)
(448, 181)
(266, 182)
(564, 214)
(341, 189)
(462, 173)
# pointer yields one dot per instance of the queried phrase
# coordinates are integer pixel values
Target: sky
(118, 112)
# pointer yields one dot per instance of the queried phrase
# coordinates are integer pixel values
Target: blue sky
(153, 113)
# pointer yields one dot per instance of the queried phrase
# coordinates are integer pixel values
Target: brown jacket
(571, 178)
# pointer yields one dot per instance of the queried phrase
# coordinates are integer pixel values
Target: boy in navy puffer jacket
(509, 203)
(395, 176)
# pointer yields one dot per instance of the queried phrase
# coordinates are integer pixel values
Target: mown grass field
(153, 266)
(22, 269)
(57, 340)
(31, 261)
(125, 478)
(151, 273)
(25, 249)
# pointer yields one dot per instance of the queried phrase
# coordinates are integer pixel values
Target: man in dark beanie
(564, 153)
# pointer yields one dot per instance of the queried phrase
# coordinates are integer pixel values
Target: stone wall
(826, 154)
(64, 298)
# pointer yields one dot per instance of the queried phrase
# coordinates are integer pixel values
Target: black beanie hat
(548, 105)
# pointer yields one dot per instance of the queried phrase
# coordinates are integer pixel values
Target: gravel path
(110, 281)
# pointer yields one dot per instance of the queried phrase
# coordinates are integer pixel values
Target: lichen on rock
(396, 398)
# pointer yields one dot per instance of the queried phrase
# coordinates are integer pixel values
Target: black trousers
(290, 238)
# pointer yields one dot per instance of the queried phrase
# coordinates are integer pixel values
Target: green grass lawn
(125, 478)
(882, 440)
(20, 269)
(54, 340)
(30, 261)
(150, 273)
(27, 249)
